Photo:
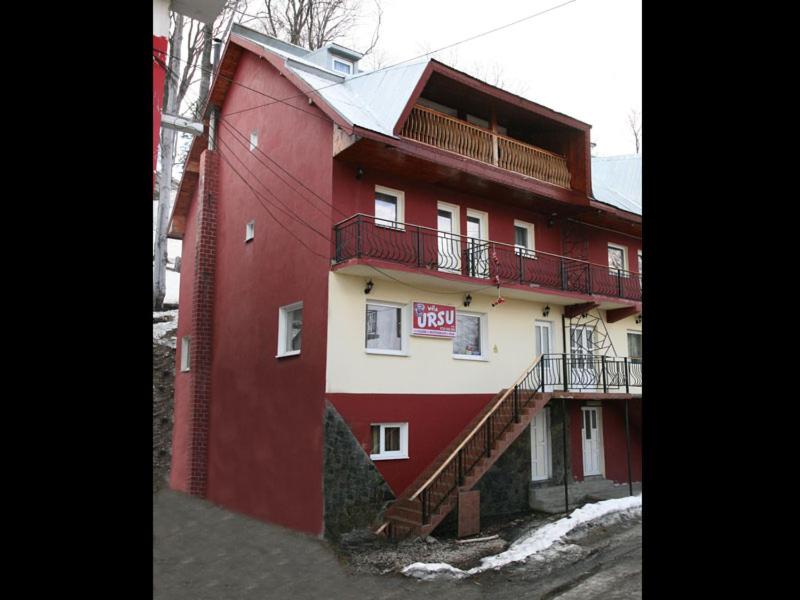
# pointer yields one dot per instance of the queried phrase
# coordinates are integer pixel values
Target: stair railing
(479, 442)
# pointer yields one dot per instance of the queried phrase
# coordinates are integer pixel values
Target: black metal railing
(365, 236)
(550, 372)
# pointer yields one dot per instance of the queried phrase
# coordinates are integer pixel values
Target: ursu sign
(433, 320)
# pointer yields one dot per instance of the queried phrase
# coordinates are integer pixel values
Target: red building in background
(400, 286)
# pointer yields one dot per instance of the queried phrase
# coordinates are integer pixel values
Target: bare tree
(313, 23)
(635, 123)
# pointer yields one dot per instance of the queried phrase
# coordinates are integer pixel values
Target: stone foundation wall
(504, 488)
(355, 493)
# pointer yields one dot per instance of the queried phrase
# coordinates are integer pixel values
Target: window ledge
(389, 457)
(466, 357)
(385, 352)
(285, 354)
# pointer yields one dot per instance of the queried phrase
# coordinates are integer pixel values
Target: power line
(313, 90)
(269, 212)
(286, 210)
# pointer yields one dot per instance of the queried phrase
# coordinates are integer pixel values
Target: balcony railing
(440, 130)
(365, 236)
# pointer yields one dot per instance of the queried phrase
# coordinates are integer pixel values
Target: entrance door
(591, 434)
(543, 342)
(449, 251)
(541, 467)
(582, 372)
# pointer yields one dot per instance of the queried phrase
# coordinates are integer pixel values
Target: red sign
(433, 320)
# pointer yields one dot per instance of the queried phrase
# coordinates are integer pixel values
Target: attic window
(342, 66)
(253, 140)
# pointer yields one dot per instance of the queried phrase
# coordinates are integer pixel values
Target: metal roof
(617, 180)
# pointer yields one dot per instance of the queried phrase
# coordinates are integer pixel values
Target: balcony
(442, 131)
(364, 236)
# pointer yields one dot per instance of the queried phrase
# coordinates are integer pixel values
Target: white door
(541, 467)
(591, 434)
(449, 254)
(582, 372)
(543, 337)
(477, 246)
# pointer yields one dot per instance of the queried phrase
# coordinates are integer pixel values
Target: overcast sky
(583, 59)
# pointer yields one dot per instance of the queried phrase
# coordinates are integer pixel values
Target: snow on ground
(165, 327)
(173, 287)
(537, 541)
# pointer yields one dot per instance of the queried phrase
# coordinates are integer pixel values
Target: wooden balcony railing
(445, 132)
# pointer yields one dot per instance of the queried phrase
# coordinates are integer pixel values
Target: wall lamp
(638, 318)
(467, 300)
(359, 173)
(552, 220)
(546, 311)
(368, 289)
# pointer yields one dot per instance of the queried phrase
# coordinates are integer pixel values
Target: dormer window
(343, 66)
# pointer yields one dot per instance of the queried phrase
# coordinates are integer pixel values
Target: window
(617, 259)
(250, 231)
(290, 329)
(635, 347)
(342, 66)
(470, 336)
(640, 262)
(185, 341)
(524, 239)
(389, 440)
(385, 333)
(253, 140)
(389, 207)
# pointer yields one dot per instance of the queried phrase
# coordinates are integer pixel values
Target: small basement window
(290, 329)
(250, 231)
(389, 441)
(185, 341)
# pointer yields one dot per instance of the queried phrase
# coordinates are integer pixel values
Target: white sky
(583, 59)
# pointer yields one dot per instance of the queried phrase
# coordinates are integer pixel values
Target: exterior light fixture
(638, 318)
(546, 311)
(359, 173)
(368, 289)
(467, 300)
(552, 220)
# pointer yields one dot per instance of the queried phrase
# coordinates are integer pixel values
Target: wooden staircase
(432, 495)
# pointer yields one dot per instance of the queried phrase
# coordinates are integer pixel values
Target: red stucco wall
(159, 75)
(265, 437)
(433, 422)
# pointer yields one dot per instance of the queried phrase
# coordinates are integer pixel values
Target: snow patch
(163, 328)
(536, 541)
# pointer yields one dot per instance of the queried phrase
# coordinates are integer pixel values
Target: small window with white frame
(389, 441)
(250, 231)
(389, 207)
(253, 140)
(343, 66)
(617, 259)
(524, 239)
(185, 349)
(635, 346)
(386, 328)
(470, 340)
(290, 329)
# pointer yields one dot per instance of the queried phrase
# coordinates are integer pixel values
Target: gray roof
(617, 180)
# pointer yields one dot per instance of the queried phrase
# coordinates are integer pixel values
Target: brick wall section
(202, 314)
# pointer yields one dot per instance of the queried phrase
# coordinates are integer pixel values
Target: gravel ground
(164, 328)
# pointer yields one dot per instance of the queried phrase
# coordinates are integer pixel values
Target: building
(397, 287)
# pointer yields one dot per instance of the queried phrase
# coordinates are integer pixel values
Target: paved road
(202, 552)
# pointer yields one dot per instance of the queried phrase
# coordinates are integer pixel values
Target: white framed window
(617, 259)
(249, 231)
(386, 328)
(290, 329)
(185, 349)
(343, 66)
(471, 337)
(389, 207)
(253, 140)
(389, 441)
(524, 238)
(635, 346)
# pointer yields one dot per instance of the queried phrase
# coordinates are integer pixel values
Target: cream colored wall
(618, 332)
(429, 367)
